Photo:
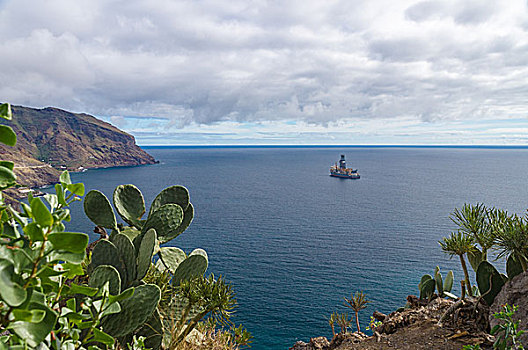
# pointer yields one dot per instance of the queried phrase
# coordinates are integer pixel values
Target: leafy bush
(56, 296)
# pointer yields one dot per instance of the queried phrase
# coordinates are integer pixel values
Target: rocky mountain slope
(51, 140)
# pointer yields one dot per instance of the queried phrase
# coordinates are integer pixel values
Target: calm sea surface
(294, 241)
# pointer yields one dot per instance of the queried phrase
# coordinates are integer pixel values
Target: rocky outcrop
(514, 292)
(50, 140)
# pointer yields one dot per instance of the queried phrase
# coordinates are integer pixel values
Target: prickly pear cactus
(171, 257)
(448, 282)
(135, 311)
(194, 265)
(103, 274)
(426, 286)
(489, 281)
(145, 251)
(98, 209)
(439, 282)
(174, 194)
(106, 253)
(127, 252)
(152, 330)
(165, 220)
(513, 267)
(129, 204)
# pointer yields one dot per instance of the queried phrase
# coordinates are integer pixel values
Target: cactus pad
(127, 252)
(103, 274)
(475, 257)
(448, 282)
(165, 220)
(513, 267)
(489, 281)
(195, 265)
(129, 204)
(98, 209)
(426, 284)
(171, 257)
(188, 216)
(135, 311)
(146, 249)
(174, 194)
(439, 283)
(106, 253)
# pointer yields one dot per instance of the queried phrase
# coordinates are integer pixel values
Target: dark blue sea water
(294, 241)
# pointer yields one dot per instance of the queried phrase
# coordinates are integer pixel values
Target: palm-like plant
(344, 321)
(357, 302)
(474, 221)
(511, 237)
(332, 320)
(459, 244)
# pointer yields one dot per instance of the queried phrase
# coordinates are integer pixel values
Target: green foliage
(7, 137)
(428, 283)
(489, 281)
(357, 302)
(373, 324)
(54, 296)
(507, 333)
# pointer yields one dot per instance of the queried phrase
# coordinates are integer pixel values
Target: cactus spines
(129, 204)
(146, 248)
(165, 220)
(489, 281)
(127, 252)
(174, 194)
(171, 257)
(103, 274)
(135, 311)
(195, 265)
(98, 209)
(513, 267)
(106, 253)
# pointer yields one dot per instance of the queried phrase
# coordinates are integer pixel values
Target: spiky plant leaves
(165, 220)
(98, 209)
(129, 204)
(171, 257)
(174, 194)
(195, 265)
(489, 281)
(106, 273)
(127, 252)
(152, 330)
(106, 253)
(135, 311)
(513, 267)
(146, 249)
(448, 282)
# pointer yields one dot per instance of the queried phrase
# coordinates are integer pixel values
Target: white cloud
(315, 62)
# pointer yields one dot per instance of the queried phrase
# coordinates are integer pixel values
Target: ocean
(294, 241)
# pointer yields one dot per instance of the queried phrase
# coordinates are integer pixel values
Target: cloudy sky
(276, 72)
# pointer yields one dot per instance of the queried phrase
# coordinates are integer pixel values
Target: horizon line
(339, 146)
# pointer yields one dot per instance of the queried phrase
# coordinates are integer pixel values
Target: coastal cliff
(50, 140)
